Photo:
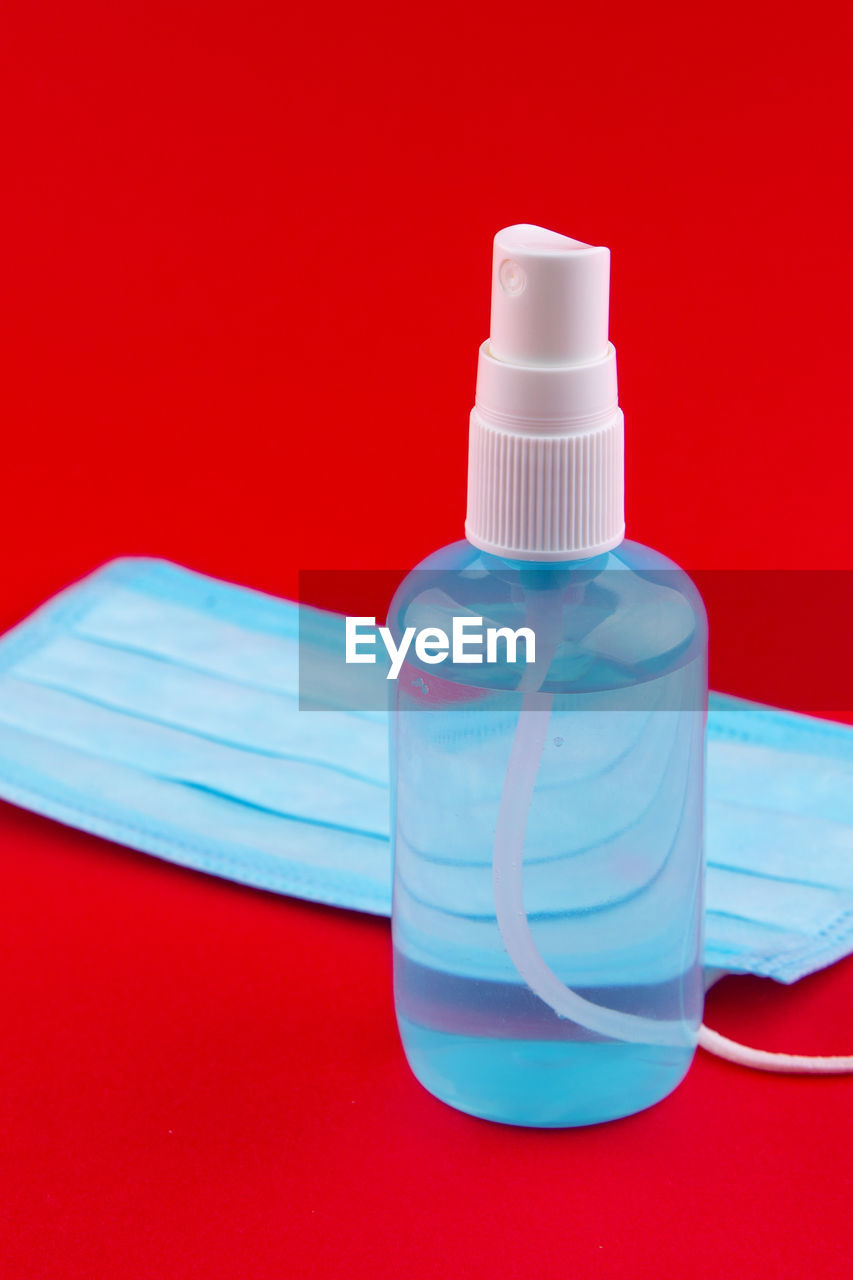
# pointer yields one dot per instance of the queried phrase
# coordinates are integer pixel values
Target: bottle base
(545, 1084)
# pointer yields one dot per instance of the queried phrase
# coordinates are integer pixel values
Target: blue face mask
(159, 708)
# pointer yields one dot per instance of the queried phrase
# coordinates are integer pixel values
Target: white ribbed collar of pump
(545, 466)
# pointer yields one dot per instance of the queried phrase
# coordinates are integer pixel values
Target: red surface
(245, 276)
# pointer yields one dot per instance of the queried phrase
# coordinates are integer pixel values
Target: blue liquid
(503, 1055)
(612, 866)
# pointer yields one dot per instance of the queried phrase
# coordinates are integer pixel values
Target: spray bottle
(547, 785)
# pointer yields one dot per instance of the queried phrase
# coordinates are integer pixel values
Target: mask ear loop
(762, 1060)
(544, 617)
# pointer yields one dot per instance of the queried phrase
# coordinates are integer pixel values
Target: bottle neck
(535, 573)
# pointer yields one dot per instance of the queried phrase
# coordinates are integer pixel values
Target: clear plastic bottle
(612, 836)
(547, 815)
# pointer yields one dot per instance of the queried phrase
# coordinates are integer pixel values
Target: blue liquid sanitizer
(547, 743)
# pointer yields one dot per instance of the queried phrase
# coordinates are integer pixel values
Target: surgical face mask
(159, 708)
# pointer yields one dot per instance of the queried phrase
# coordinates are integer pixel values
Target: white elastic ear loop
(762, 1060)
(513, 811)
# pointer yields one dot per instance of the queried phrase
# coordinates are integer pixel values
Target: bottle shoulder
(631, 574)
(621, 617)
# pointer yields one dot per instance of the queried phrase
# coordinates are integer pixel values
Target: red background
(246, 256)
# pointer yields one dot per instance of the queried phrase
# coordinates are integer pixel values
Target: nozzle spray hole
(512, 277)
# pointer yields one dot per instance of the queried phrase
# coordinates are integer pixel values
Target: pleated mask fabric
(159, 708)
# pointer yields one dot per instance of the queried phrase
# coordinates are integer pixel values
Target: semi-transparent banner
(606, 637)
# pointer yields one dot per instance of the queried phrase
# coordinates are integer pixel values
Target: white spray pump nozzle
(550, 298)
(545, 470)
